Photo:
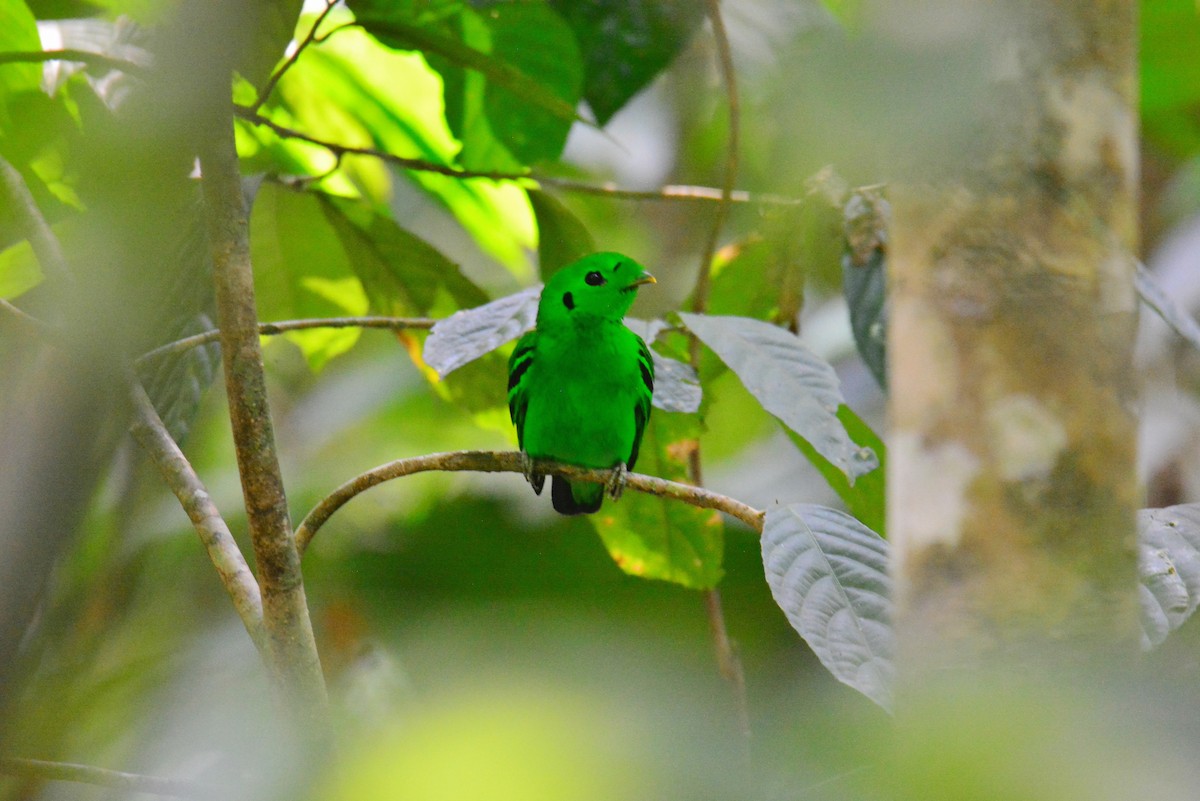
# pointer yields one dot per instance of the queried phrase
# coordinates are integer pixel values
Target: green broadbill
(579, 384)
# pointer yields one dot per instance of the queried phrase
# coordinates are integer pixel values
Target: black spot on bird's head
(569, 301)
(594, 278)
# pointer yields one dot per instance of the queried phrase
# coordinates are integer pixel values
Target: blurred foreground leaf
(829, 574)
(1169, 569)
(562, 238)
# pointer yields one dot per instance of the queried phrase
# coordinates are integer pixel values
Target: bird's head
(602, 285)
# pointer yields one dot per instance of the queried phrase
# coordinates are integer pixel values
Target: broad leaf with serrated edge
(789, 380)
(828, 573)
(659, 538)
(1169, 569)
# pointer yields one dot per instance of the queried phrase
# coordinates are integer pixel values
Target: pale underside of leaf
(1169, 569)
(828, 573)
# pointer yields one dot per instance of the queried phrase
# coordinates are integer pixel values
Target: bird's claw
(535, 479)
(615, 484)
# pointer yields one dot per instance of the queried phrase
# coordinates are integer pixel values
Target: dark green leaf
(177, 383)
(829, 574)
(657, 538)
(1169, 557)
(402, 274)
(864, 278)
(18, 31)
(273, 24)
(626, 43)
(789, 380)
(562, 238)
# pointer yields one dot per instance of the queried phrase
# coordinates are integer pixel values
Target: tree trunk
(1012, 488)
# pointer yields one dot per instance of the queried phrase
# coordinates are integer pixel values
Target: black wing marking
(518, 394)
(641, 407)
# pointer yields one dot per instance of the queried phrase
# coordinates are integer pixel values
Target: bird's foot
(536, 480)
(616, 481)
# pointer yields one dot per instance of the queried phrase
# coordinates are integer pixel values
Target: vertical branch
(291, 646)
(728, 661)
(15, 195)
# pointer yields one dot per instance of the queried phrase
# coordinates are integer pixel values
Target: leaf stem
(511, 462)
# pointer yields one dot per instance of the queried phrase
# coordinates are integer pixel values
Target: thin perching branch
(148, 429)
(512, 462)
(270, 329)
(293, 652)
(112, 779)
(85, 57)
(276, 76)
(728, 661)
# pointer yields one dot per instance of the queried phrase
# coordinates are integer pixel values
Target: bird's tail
(580, 498)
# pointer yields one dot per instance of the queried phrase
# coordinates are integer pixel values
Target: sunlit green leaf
(18, 31)
(1170, 74)
(657, 538)
(626, 43)
(562, 238)
(301, 270)
(19, 270)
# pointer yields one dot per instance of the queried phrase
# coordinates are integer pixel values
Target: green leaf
(352, 90)
(866, 498)
(1170, 74)
(301, 270)
(829, 574)
(658, 538)
(790, 381)
(626, 43)
(562, 238)
(1169, 569)
(402, 274)
(176, 383)
(18, 31)
(19, 270)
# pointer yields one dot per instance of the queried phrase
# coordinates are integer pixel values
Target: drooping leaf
(402, 274)
(626, 43)
(562, 238)
(1169, 569)
(470, 333)
(866, 497)
(1165, 306)
(176, 383)
(789, 380)
(301, 270)
(864, 278)
(657, 538)
(828, 573)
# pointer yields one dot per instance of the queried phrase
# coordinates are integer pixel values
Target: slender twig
(292, 647)
(80, 56)
(28, 321)
(704, 194)
(511, 462)
(148, 429)
(271, 329)
(273, 81)
(14, 193)
(112, 779)
(728, 661)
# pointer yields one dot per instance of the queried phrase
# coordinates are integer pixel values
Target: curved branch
(112, 779)
(14, 193)
(270, 329)
(512, 462)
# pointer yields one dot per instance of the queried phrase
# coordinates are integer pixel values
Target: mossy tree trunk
(1012, 489)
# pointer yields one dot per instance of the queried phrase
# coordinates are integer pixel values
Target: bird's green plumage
(579, 384)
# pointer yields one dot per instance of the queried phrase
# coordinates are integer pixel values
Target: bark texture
(1012, 488)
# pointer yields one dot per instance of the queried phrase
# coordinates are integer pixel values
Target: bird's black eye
(594, 278)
